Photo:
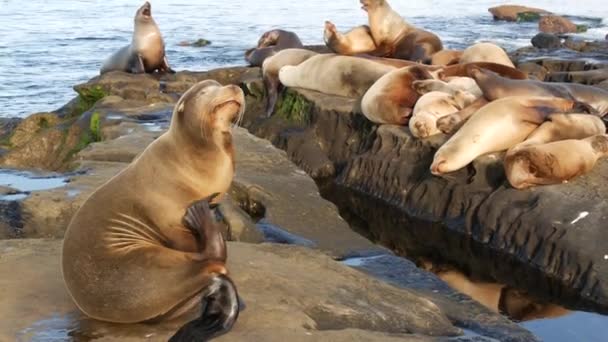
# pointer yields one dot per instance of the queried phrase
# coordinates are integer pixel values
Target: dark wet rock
(546, 41)
(493, 228)
(589, 77)
(511, 12)
(11, 220)
(282, 288)
(556, 25)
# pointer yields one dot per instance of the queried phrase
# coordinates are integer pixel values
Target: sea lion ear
(179, 108)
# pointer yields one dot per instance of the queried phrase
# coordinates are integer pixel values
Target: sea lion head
(422, 125)
(144, 13)
(269, 38)
(367, 5)
(208, 111)
(599, 143)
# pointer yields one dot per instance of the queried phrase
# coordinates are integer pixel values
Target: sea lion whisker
(135, 233)
(146, 227)
(131, 228)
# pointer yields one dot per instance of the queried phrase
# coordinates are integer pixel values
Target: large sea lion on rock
(146, 53)
(554, 163)
(396, 38)
(357, 40)
(270, 43)
(486, 52)
(495, 87)
(334, 74)
(496, 127)
(143, 247)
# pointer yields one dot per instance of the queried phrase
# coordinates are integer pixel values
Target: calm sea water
(48, 46)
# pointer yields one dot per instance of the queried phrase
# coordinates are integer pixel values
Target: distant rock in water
(198, 43)
(574, 43)
(556, 24)
(546, 41)
(528, 16)
(511, 12)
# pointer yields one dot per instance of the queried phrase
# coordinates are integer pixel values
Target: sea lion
(391, 99)
(555, 162)
(563, 127)
(142, 247)
(396, 38)
(146, 53)
(495, 87)
(497, 126)
(334, 74)
(446, 57)
(486, 52)
(432, 106)
(270, 72)
(464, 70)
(357, 40)
(452, 85)
(270, 43)
(450, 123)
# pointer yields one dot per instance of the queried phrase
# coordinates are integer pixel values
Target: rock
(510, 12)
(575, 43)
(345, 306)
(603, 85)
(581, 28)
(7, 127)
(546, 41)
(483, 218)
(556, 25)
(533, 70)
(240, 225)
(527, 16)
(589, 77)
(197, 43)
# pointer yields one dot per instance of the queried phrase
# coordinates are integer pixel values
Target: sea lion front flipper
(136, 65)
(219, 313)
(165, 66)
(199, 219)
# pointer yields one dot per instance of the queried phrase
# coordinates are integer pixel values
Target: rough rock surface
(280, 285)
(510, 12)
(546, 41)
(556, 25)
(491, 226)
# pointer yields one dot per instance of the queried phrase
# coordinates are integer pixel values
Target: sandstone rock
(589, 77)
(546, 41)
(533, 70)
(280, 286)
(556, 25)
(575, 43)
(603, 85)
(510, 12)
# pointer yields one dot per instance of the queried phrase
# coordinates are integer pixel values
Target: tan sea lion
(334, 74)
(142, 247)
(464, 70)
(270, 72)
(391, 99)
(146, 53)
(563, 127)
(554, 163)
(495, 87)
(449, 124)
(270, 43)
(497, 126)
(486, 52)
(396, 38)
(446, 57)
(432, 106)
(357, 40)
(450, 86)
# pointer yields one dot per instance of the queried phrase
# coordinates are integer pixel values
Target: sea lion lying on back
(143, 246)
(270, 43)
(146, 53)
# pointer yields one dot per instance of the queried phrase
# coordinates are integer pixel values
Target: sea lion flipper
(165, 66)
(220, 312)
(136, 65)
(198, 219)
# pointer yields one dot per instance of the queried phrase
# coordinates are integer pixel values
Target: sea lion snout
(439, 165)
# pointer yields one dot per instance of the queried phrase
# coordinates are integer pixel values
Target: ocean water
(46, 47)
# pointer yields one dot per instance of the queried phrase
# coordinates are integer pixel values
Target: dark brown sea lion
(270, 43)
(143, 247)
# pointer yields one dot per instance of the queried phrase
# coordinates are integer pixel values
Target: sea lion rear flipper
(165, 66)
(198, 219)
(219, 313)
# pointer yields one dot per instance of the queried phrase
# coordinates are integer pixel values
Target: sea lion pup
(495, 87)
(357, 40)
(486, 52)
(396, 38)
(391, 99)
(450, 123)
(554, 163)
(270, 72)
(450, 86)
(146, 53)
(270, 43)
(142, 247)
(432, 106)
(497, 126)
(446, 57)
(334, 74)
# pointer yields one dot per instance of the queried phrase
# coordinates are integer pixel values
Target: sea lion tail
(220, 310)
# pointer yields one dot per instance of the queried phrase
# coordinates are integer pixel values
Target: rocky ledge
(292, 292)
